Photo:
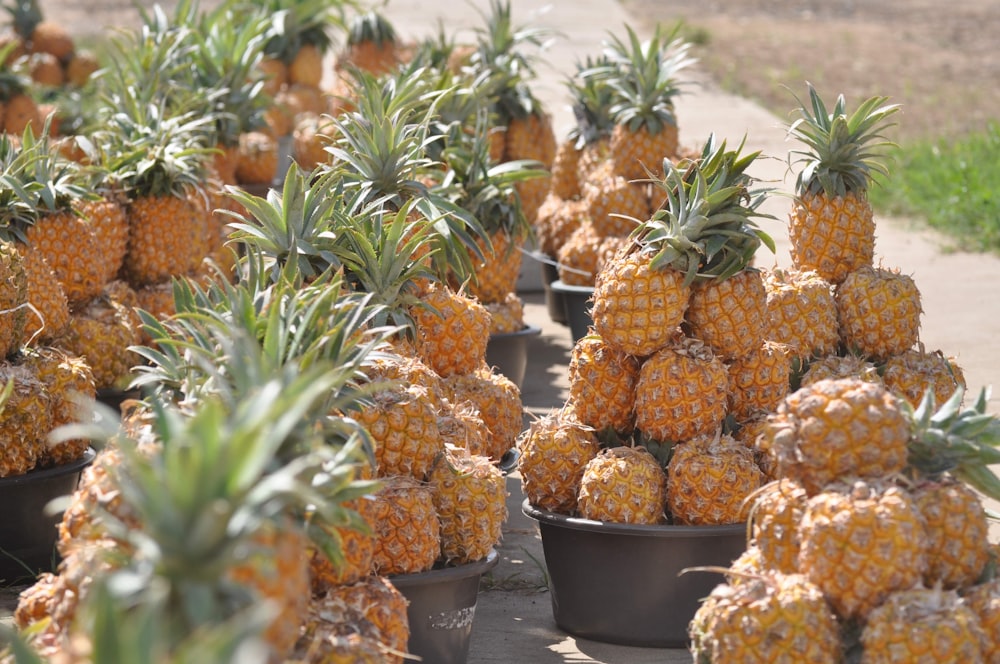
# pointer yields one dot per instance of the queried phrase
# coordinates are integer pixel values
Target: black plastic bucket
(28, 533)
(442, 609)
(622, 584)
(576, 303)
(553, 300)
(508, 352)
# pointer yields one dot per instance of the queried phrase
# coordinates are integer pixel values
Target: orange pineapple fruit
(498, 400)
(623, 485)
(831, 227)
(682, 392)
(403, 426)
(956, 529)
(710, 479)
(758, 381)
(878, 311)
(911, 373)
(602, 385)
(13, 298)
(452, 331)
(68, 380)
(729, 315)
(923, 624)
(842, 525)
(832, 367)
(838, 428)
(356, 545)
(775, 514)
(801, 311)
(407, 530)
(27, 418)
(554, 452)
(470, 497)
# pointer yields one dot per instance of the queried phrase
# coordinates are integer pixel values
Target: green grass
(953, 185)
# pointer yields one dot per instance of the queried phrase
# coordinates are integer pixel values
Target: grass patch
(953, 185)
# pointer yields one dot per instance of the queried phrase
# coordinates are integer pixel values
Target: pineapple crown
(371, 27)
(290, 232)
(592, 98)
(25, 16)
(381, 156)
(213, 478)
(227, 50)
(844, 152)
(960, 441)
(298, 23)
(705, 227)
(501, 50)
(643, 77)
(486, 190)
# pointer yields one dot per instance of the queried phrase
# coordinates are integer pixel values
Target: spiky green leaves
(705, 227)
(957, 440)
(844, 151)
(644, 78)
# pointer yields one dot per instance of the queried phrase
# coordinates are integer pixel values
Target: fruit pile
(328, 390)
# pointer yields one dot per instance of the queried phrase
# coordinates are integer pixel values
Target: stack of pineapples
(676, 351)
(872, 541)
(626, 125)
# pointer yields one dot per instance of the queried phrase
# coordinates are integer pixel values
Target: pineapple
(913, 372)
(860, 542)
(407, 529)
(507, 316)
(579, 256)
(614, 204)
(256, 158)
(838, 428)
(106, 218)
(832, 367)
(623, 485)
(298, 36)
(831, 228)
(730, 315)
(13, 298)
(103, 333)
(802, 312)
(765, 617)
(403, 427)
(984, 600)
(452, 331)
(704, 233)
(710, 479)
(602, 385)
(372, 44)
(554, 452)
(39, 34)
(357, 549)
(470, 496)
(27, 417)
(69, 381)
(498, 400)
(461, 426)
(682, 393)
(955, 525)
(922, 624)
(643, 77)
(774, 517)
(878, 311)
(758, 381)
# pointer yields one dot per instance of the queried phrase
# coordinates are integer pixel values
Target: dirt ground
(938, 60)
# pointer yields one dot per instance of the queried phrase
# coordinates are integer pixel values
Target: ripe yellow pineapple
(758, 381)
(554, 451)
(579, 256)
(682, 392)
(452, 331)
(765, 617)
(623, 485)
(507, 316)
(984, 600)
(408, 533)
(838, 428)
(106, 218)
(13, 298)
(69, 382)
(460, 425)
(711, 478)
(831, 227)
(470, 496)
(371, 44)
(910, 374)
(643, 76)
(498, 401)
(613, 204)
(356, 549)
(843, 525)
(729, 315)
(922, 624)
(257, 158)
(801, 312)
(956, 528)
(774, 517)
(602, 385)
(878, 311)
(832, 367)
(403, 426)
(27, 417)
